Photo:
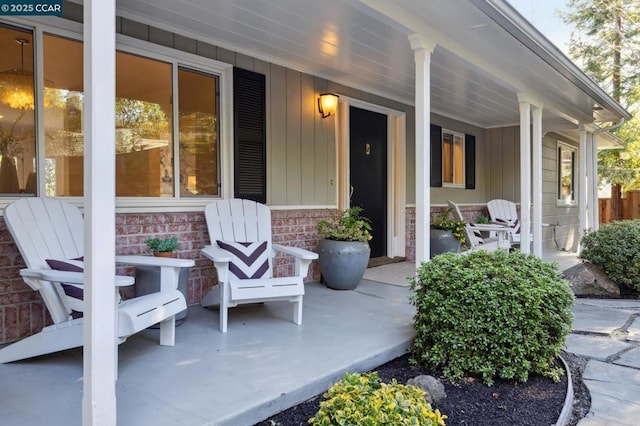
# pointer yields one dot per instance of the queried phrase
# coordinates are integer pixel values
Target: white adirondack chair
(245, 270)
(498, 234)
(504, 212)
(45, 228)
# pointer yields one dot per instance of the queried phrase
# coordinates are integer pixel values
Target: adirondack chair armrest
(296, 252)
(220, 258)
(497, 227)
(504, 224)
(216, 254)
(303, 258)
(69, 277)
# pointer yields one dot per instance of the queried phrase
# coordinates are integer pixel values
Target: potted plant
(344, 251)
(446, 234)
(482, 219)
(162, 247)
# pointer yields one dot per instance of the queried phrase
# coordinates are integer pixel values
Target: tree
(606, 42)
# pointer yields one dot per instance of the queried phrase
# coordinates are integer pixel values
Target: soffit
(478, 68)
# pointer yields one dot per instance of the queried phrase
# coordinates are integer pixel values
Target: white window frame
(574, 181)
(224, 71)
(461, 136)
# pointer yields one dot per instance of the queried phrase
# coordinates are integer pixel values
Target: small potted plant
(344, 251)
(162, 247)
(482, 219)
(446, 234)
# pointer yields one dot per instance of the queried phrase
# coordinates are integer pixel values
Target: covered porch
(263, 365)
(472, 67)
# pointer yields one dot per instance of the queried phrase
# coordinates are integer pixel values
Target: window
(17, 117)
(199, 162)
(167, 116)
(566, 173)
(452, 158)
(63, 131)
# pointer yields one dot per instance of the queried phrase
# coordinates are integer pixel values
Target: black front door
(368, 170)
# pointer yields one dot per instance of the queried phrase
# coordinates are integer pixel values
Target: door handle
(351, 192)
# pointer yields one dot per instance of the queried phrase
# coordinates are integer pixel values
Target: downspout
(594, 188)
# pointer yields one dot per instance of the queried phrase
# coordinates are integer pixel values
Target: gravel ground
(469, 402)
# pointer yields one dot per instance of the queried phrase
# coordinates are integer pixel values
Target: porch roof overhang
(486, 53)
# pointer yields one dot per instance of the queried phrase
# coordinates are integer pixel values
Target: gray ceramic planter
(343, 263)
(443, 241)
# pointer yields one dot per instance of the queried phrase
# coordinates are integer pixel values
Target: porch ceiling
(479, 65)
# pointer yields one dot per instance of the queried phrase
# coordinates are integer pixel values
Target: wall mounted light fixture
(327, 104)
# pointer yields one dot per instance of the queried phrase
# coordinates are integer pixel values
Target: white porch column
(595, 224)
(422, 55)
(100, 347)
(525, 175)
(537, 180)
(591, 205)
(585, 206)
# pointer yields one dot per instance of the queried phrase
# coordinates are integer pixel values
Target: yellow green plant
(349, 225)
(361, 399)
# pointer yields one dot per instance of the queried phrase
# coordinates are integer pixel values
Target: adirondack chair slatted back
(240, 221)
(45, 228)
(504, 211)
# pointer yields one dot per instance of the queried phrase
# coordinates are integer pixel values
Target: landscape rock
(589, 280)
(432, 386)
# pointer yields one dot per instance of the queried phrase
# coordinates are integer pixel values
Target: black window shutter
(559, 164)
(250, 135)
(573, 174)
(469, 162)
(436, 155)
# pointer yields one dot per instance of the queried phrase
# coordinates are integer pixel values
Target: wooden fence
(617, 208)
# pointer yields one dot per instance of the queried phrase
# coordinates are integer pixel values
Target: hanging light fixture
(16, 85)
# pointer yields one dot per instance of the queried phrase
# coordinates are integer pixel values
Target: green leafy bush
(490, 314)
(615, 248)
(360, 399)
(349, 225)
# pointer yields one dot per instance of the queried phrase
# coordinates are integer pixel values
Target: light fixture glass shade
(327, 104)
(16, 85)
(16, 89)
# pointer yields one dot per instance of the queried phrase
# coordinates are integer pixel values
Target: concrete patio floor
(264, 364)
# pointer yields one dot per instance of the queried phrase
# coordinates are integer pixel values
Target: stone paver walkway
(607, 333)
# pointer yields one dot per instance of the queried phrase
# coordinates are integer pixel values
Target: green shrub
(490, 314)
(360, 399)
(615, 248)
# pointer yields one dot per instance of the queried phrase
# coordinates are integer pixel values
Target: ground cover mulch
(537, 402)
